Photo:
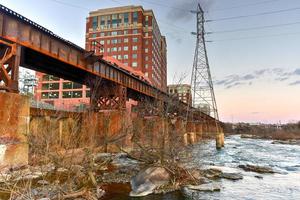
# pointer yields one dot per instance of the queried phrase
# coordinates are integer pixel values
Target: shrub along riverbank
(289, 131)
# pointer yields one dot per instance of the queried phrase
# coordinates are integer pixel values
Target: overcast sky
(256, 71)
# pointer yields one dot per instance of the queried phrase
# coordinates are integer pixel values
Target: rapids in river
(282, 158)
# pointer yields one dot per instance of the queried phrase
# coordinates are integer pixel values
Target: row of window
(114, 20)
(117, 41)
(125, 48)
(65, 94)
(47, 77)
(66, 85)
(125, 57)
(115, 33)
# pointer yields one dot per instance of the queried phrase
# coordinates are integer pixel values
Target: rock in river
(147, 180)
(231, 176)
(209, 187)
(258, 169)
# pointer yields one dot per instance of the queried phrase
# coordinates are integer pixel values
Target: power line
(165, 5)
(254, 28)
(243, 6)
(69, 4)
(256, 37)
(254, 15)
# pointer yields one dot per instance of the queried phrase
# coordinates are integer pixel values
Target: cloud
(276, 74)
(174, 36)
(295, 83)
(234, 85)
(248, 77)
(297, 72)
(180, 10)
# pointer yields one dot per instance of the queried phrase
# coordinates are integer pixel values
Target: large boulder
(147, 180)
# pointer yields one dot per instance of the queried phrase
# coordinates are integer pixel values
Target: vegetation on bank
(290, 131)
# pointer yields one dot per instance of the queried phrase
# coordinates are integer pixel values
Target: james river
(284, 159)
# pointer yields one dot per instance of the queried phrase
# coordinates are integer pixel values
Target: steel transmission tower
(201, 81)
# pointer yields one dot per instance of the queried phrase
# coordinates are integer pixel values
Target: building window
(146, 58)
(146, 42)
(94, 35)
(50, 95)
(126, 18)
(146, 74)
(134, 39)
(95, 22)
(108, 49)
(125, 32)
(114, 49)
(125, 57)
(125, 40)
(114, 33)
(102, 34)
(146, 66)
(87, 93)
(71, 85)
(77, 94)
(114, 21)
(146, 34)
(125, 48)
(119, 48)
(135, 16)
(134, 48)
(108, 41)
(67, 85)
(119, 57)
(102, 42)
(47, 77)
(135, 31)
(146, 50)
(50, 86)
(114, 56)
(134, 64)
(114, 41)
(67, 94)
(134, 56)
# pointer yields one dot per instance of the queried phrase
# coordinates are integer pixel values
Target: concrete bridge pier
(219, 137)
(14, 128)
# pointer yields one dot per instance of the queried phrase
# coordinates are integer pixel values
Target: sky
(252, 45)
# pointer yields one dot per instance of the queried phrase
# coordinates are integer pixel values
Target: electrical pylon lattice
(201, 81)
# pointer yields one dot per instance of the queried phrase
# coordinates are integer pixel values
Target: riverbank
(246, 167)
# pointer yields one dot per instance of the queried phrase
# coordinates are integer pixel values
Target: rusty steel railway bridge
(28, 44)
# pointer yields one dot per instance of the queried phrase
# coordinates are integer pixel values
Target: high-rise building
(182, 92)
(131, 35)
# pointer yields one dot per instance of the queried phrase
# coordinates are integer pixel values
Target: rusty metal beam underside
(25, 43)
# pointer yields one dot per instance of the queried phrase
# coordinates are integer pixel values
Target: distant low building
(182, 91)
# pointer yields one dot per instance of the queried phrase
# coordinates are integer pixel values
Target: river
(284, 159)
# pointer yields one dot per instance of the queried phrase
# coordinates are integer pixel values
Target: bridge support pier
(108, 96)
(14, 129)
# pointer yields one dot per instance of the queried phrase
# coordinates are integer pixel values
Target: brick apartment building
(129, 34)
(182, 92)
(62, 94)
